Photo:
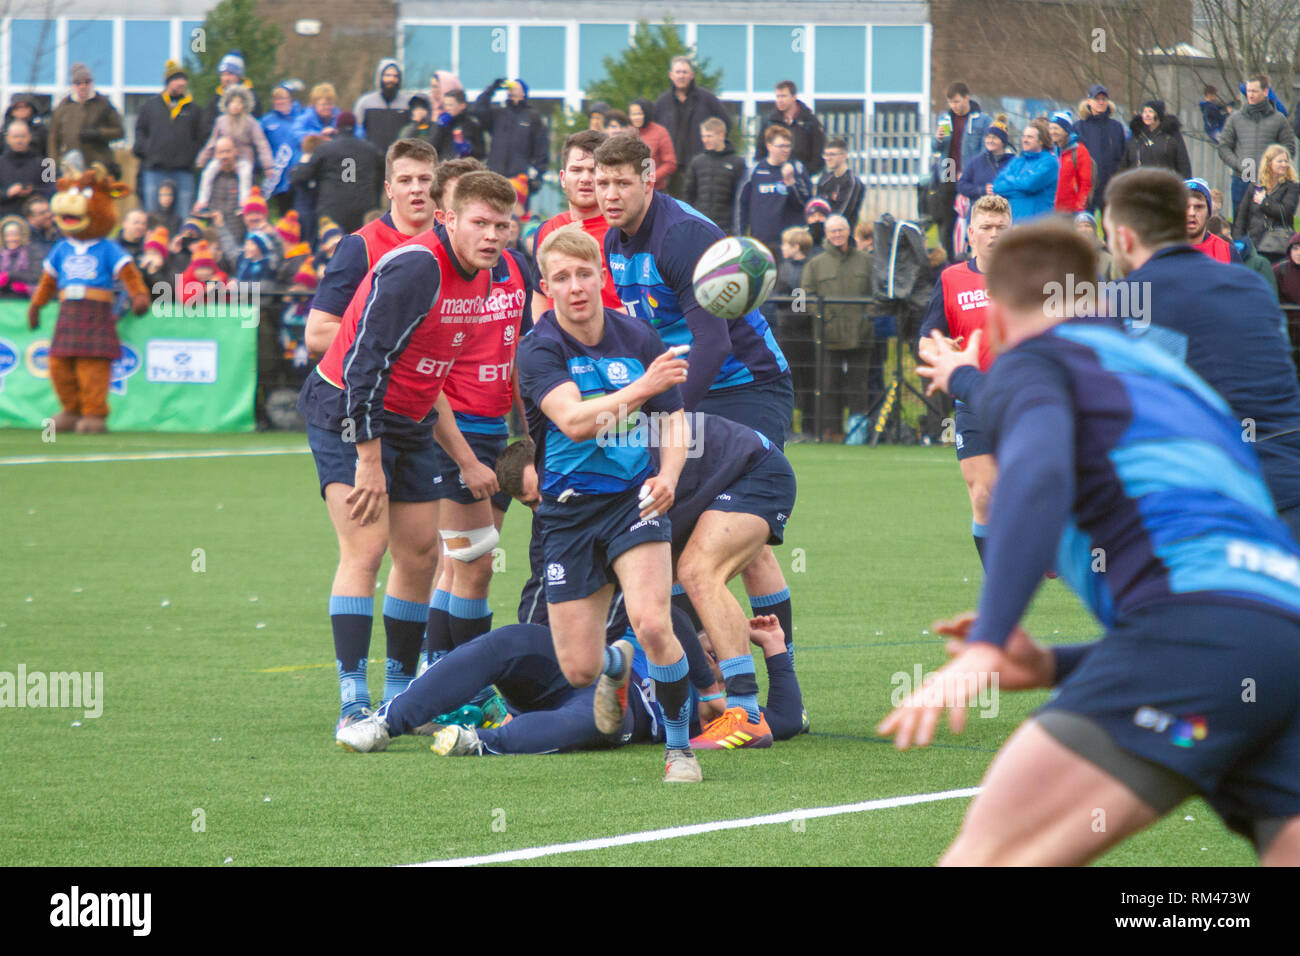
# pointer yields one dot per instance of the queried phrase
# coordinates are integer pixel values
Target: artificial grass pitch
(198, 588)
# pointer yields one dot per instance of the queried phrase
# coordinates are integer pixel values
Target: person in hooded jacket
(383, 111)
(1104, 136)
(1074, 181)
(1157, 140)
(349, 173)
(519, 137)
(1029, 181)
(24, 106)
(277, 126)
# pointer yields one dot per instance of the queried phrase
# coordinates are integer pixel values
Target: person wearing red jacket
(1198, 217)
(1075, 179)
(641, 112)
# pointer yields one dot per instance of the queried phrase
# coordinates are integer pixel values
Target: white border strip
(695, 829)
(154, 455)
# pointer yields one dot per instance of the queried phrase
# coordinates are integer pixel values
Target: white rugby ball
(734, 276)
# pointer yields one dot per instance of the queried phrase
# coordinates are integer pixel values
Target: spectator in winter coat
(167, 138)
(1029, 181)
(1214, 112)
(1267, 211)
(773, 198)
(714, 177)
(794, 332)
(1288, 273)
(458, 134)
(421, 125)
(18, 274)
(21, 170)
(681, 110)
(321, 118)
(815, 214)
(959, 141)
(1198, 219)
(277, 126)
(251, 147)
(978, 175)
(85, 121)
(23, 107)
(1074, 181)
(230, 74)
(806, 131)
(839, 185)
(383, 111)
(1249, 132)
(1104, 137)
(1157, 140)
(222, 186)
(639, 113)
(349, 173)
(519, 137)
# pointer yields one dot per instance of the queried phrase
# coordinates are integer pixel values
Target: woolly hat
(232, 62)
(329, 230)
(1156, 105)
(306, 274)
(346, 120)
(201, 255)
(1202, 187)
(520, 183)
(254, 203)
(79, 71)
(999, 129)
(157, 239)
(172, 69)
(289, 228)
(817, 205)
(418, 99)
(1062, 119)
(261, 240)
(193, 227)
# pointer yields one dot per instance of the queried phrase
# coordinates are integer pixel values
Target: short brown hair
(568, 242)
(1039, 126)
(715, 125)
(617, 116)
(957, 88)
(420, 150)
(1151, 202)
(452, 169)
(789, 86)
(798, 236)
(1260, 78)
(510, 465)
(1217, 225)
(775, 133)
(489, 188)
(624, 151)
(457, 95)
(991, 206)
(838, 142)
(1030, 260)
(587, 141)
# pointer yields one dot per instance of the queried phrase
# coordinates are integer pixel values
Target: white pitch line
(154, 455)
(695, 829)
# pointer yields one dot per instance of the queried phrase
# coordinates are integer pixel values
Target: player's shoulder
(410, 259)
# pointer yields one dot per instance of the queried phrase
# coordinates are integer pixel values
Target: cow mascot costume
(84, 268)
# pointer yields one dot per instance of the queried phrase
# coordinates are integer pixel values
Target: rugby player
(1219, 319)
(602, 515)
(1108, 448)
(368, 409)
(578, 180)
(480, 389)
(958, 307)
(737, 370)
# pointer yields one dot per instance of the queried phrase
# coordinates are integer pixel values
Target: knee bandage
(468, 545)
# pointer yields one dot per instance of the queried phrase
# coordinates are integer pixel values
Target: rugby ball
(734, 276)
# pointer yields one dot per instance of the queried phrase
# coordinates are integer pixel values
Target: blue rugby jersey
(1225, 323)
(654, 273)
(1129, 469)
(548, 357)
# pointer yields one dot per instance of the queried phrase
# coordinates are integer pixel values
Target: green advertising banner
(181, 369)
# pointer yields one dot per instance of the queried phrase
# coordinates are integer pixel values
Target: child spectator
(254, 263)
(1288, 273)
(202, 273)
(153, 261)
(295, 252)
(237, 122)
(293, 320)
(167, 215)
(17, 276)
(420, 126)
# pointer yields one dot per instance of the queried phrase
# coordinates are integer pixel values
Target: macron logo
(972, 299)
(102, 909)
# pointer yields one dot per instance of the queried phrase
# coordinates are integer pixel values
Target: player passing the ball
(603, 511)
(1109, 448)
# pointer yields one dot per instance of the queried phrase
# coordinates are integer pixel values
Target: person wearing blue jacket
(773, 197)
(1028, 182)
(1105, 138)
(959, 141)
(978, 175)
(277, 124)
(520, 139)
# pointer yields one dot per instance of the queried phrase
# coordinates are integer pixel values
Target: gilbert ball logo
(617, 372)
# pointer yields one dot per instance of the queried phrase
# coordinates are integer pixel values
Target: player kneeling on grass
(1119, 461)
(603, 505)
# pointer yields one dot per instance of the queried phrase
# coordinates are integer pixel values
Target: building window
(424, 50)
(91, 42)
(482, 55)
(542, 57)
(31, 53)
(897, 55)
(148, 43)
(724, 47)
(778, 55)
(595, 42)
(839, 66)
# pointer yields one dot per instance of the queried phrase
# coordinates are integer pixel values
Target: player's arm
(683, 247)
(936, 317)
(478, 477)
(347, 267)
(401, 289)
(584, 420)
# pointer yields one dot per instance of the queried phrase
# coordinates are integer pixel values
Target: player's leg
(645, 572)
(352, 597)
(978, 469)
(578, 631)
(469, 534)
(413, 538)
(1042, 804)
(768, 592)
(719, 546)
